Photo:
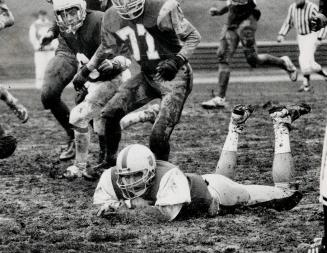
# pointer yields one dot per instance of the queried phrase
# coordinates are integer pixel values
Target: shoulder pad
(112, 20)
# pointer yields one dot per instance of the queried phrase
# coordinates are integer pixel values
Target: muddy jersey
(87, 39)
(240, 11)
(172, 191)
(159, 33)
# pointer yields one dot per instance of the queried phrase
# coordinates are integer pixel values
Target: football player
(78, 31)
(318, 22)
(162, 40)
(140, 181)
(7, 142)
(241, 25)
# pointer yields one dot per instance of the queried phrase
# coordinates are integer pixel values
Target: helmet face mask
(70, 15)
(134, 185)
(129, 9)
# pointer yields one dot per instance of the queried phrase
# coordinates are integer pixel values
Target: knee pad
(8, 146)
(78, 115)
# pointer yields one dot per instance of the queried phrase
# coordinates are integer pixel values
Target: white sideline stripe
(207, 78)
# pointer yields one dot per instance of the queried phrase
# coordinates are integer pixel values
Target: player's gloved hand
(80, 95)
(280, 38)
(213, 11)
(81, 78)
(168, 69)
(111, 208)
(317, 22)
(46, 39)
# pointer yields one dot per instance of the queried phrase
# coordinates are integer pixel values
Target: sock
(307, 77)
(231, 141)
(82, 141)
(282, 139)
(9, 99)
(263, 193)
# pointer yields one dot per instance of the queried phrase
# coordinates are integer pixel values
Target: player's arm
(171, 18)
(287, 25)
(213, 11)
(6, 17)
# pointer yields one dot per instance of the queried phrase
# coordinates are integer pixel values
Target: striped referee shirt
(300, 18)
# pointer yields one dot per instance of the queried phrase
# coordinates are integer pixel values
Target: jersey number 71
(127, 33)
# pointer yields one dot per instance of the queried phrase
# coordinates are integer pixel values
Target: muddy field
(40, 212)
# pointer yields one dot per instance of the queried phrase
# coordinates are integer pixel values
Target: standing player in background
(299, 15)
(241, 25)
(42, 54)
(317, 22)
(162, 40)
(8, 142)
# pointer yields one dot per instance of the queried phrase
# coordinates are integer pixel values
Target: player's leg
(131, 95)
(13, 104)
(304, 63)
(99, 94)
(283, 165)
(227, 47)
(227, 161)
(231, 194)
(247, 32)
(174, 95)
(60, 71)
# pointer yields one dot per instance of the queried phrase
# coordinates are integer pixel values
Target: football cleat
(20, 111)
(290, 68)
(241, 113)
(306, 88)
(148, 115)
(69, 151)
(316, 247)
(215, 103)
(287, 115)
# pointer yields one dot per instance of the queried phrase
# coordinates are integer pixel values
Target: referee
(299, 15)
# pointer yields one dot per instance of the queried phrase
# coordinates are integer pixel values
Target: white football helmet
(136, 167)
(70, 14)
(129, 9)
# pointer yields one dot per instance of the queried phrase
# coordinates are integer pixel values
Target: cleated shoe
(215, 103)
(69, 152)
(147, 115)
(241, 113)
(286, 115)
(21, 112)
(290, 68)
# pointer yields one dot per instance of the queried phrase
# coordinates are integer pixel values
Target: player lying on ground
(241, 25)
(162, 40)
(79, 33)
(140, 181)
(299, 15)
(7, 142)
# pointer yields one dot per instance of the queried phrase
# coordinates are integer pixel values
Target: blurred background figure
(42, 54)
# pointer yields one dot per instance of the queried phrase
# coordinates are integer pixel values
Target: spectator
(42, 54)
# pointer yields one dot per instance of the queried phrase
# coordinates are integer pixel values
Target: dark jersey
(97, 5)
(158, 34)
(88, 38)
(238, 13)
(323, 7)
